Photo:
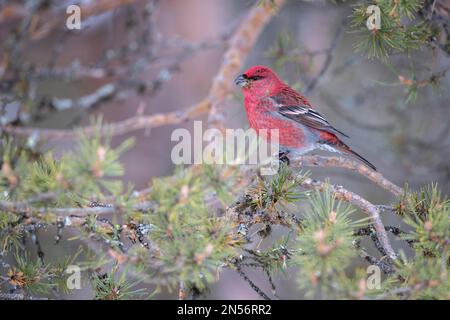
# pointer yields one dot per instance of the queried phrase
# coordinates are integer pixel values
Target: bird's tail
(341, 146)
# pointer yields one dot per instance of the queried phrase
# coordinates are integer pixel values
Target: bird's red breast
(260, 116)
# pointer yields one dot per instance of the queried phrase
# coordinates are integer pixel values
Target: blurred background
(146, 57)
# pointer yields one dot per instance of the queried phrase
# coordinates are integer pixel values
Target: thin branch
(22, 205)
(272, 284)
(17, 296)
(52, 19)
(26, 205)
(334, 103)
(338, 162)
(368, 231)
(25, 209)
(329, 58)
(117, 128)
(382, 264)
(348, 196)
(250, 282)
(240, 45)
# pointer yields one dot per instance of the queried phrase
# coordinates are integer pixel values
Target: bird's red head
(259, 80)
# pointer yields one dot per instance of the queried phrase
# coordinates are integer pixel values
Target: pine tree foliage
(110, 286)
(401, 28)
(171, 235)
(325, 243)
(192, 244)
(407, 29)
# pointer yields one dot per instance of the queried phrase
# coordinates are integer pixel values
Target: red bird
(272, 104)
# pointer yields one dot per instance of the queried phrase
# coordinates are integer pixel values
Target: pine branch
(257, 289)
(348, 196)
(118, 128)
(18, 296)
(382, 264)
(23, 209)
(339, 162)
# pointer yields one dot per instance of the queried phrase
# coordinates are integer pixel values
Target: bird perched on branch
(272, 104)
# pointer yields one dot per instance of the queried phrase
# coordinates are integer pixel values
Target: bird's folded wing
(308, 117)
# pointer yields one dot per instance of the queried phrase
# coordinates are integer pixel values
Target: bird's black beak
(242, 80)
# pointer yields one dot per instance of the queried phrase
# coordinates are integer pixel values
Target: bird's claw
(283, 157)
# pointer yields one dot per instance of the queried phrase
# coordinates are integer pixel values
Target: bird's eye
(254, 78)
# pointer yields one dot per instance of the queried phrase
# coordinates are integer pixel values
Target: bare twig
(50, 20)
(329, 58)
(18, 296)
(368, 231)
(381, 263)
(338, 162)
(253, 285)
(25, 209)
(334, 103)
(117, 128)
(240, 45)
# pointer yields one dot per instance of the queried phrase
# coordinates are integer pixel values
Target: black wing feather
(308, 117)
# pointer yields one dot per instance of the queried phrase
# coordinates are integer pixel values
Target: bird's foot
(283, 158)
